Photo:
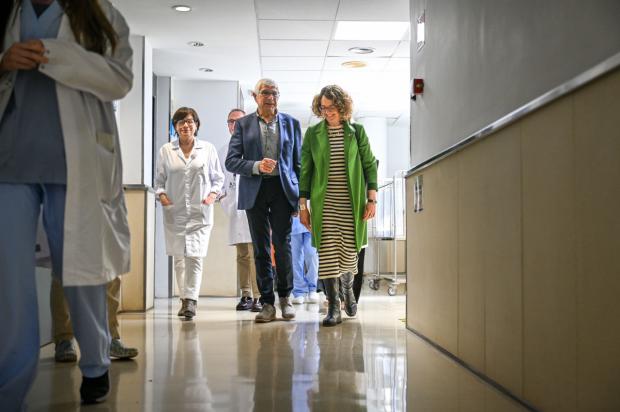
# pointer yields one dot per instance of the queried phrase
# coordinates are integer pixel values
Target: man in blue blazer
(265, 150)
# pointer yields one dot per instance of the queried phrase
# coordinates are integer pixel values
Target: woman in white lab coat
(62, 63)
(188, 181)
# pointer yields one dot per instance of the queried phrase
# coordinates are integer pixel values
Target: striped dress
(337, 253)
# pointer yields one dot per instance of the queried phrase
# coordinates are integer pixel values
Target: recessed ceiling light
(354, 64)
(195, 43)
(205, 69)
(182, 8)
(362, 50)
(371, 30)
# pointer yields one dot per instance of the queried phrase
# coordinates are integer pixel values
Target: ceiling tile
(371, 10)
(383, 48)
(298, 87)
(292, 63)
(287, 48)
(292, 76)
(296, 9)
(295, 29)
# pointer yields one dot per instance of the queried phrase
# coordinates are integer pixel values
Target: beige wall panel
(132, 286)
(433, 250)
(471, 302)
(149, 286)
(597, 142)
(219, 269)
(549, 249)
(410, 233)
(220, 266)
(490, 235)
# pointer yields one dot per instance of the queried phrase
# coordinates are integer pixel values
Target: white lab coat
(238, 228)
(96, 234)
(187, 182)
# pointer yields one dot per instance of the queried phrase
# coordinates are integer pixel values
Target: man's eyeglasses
(267, 93)
(231, 121)
(189, 122)
(328, 109)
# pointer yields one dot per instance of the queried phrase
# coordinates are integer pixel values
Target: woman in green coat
(339, 176)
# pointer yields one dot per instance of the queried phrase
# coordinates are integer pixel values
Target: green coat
(361, 175)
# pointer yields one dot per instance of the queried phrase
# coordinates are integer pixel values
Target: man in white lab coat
(238, 230)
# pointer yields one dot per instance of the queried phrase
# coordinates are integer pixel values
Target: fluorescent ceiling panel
(371, 30)
(373, 10)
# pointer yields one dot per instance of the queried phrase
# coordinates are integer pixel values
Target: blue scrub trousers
(304, 254)
(20, 205)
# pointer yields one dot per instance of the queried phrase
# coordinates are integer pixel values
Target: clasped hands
(267, 165)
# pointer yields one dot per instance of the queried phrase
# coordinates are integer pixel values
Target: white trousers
(188, 272)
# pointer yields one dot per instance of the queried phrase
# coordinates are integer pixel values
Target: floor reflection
(223, 361)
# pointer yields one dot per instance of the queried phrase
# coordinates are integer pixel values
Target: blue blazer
(245, 149)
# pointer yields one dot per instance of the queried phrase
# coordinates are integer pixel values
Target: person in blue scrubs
(34, 177)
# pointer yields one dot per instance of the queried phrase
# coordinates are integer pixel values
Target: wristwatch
(372, 201)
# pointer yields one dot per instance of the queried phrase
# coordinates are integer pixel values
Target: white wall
(212, 100)
(484, 58)
(135, 117)
(397, 148)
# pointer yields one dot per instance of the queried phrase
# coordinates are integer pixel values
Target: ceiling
(290, 41)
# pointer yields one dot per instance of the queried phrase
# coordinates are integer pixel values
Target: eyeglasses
(267, 93)
(189, 122)
(328, 109)
(231, 121)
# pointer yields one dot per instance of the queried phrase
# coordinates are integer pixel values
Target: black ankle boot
(350, 304)
(333, 310)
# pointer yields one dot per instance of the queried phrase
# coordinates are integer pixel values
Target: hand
(304, 218)
(369, 213)
(23, 56)
(267, 165)
(209, 200)
(163, 198)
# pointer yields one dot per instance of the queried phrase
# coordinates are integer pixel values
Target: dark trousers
(358, 279)
(270, 222)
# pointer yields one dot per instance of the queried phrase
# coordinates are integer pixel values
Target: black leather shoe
(257, 306)
(245, 303)
(95, 390)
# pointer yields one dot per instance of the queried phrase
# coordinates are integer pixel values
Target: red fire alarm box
(417, 88)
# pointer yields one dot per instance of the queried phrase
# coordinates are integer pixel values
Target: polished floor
(223, 361)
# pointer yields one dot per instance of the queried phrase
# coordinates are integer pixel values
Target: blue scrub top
(31, 143)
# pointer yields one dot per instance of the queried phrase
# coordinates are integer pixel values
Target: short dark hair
(182, 113)
(341, 99)
(236, 110)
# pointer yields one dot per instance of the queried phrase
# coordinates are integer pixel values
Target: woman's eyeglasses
(183, 122)
(328, 109)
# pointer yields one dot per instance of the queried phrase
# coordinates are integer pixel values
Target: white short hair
(264, 82)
